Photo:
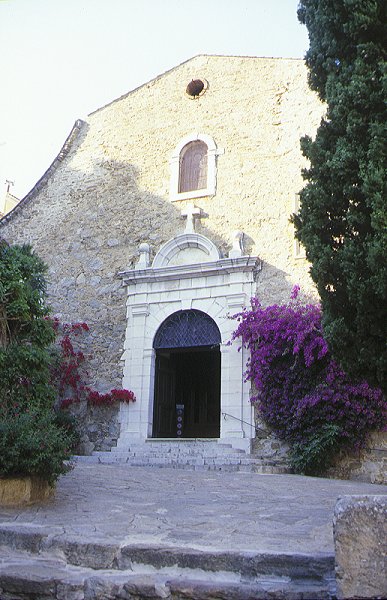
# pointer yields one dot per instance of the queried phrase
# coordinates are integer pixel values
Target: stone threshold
(176, 439)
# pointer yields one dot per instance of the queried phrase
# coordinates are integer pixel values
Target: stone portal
(187, 279)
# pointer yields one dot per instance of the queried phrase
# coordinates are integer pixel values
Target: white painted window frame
(175, 161)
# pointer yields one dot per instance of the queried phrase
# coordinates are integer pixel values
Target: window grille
(187, 329)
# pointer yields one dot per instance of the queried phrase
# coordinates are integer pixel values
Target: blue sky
(62, 59)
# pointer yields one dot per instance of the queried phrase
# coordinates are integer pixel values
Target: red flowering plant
(96, 399)
(70, 373)
(301, 392)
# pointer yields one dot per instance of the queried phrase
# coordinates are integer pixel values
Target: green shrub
(66, 421)
(315, 453)
(32, 441)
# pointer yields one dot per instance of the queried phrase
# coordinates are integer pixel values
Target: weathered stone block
(360, 535)
(16, 491)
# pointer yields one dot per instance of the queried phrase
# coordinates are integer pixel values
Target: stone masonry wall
(98, 427)
(111, 191)
(370, 464)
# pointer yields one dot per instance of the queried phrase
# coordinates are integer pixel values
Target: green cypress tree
(342, 218)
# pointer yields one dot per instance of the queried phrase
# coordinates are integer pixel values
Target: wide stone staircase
(199, 454)
(43, 564)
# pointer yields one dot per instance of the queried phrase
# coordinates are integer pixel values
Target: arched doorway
(187, 377)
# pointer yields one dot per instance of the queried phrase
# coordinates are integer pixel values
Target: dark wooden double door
(187, 393)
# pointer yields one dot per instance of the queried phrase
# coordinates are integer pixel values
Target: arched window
(193, 167)
(187, 328)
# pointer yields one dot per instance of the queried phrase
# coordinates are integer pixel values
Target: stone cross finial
(190, 213)
(8, 183)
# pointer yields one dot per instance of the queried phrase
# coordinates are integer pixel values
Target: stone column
(236, 408)
(134, 417)
(231, 393)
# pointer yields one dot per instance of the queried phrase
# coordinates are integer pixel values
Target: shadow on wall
(87, 225)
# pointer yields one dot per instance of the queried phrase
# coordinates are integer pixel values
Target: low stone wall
(360, 534)
(98, 427)
(369, 465)
(270, 447)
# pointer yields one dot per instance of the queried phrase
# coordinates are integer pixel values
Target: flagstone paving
(165, 517)
(197, 509)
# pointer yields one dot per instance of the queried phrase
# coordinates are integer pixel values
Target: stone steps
(254, 466)
(178, 447)
(37, 566)
(206, 455)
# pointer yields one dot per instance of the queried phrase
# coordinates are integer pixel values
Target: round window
(196, 88)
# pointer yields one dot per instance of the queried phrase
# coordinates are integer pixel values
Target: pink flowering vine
(301, 392)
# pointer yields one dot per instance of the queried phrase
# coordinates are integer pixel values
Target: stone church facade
(164, 212)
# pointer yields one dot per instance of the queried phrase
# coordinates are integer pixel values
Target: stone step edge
(176, 443)
(248, 458)
(212, 454)
(177, 452)
(261, 470)
(102, 555)
(224, 467)
(55, 579)
(192, 457)
(145, 452)
(143, 461)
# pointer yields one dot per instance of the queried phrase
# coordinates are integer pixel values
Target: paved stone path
(190, 509)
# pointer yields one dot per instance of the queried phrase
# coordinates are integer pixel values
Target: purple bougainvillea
(300, 391)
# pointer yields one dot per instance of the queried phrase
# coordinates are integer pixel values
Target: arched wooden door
(187, 378)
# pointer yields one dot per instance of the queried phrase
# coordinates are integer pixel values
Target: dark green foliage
(68, 422)
(31, 443)
(31, 440)
(22, 289)
(315, 454)
(342, 220)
